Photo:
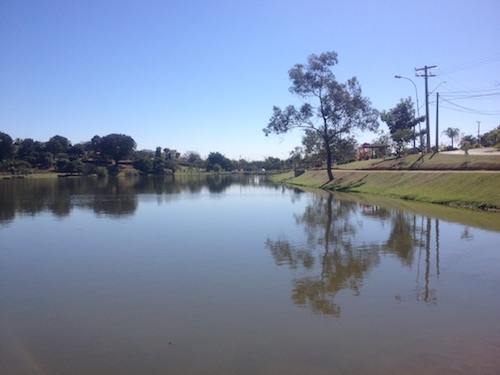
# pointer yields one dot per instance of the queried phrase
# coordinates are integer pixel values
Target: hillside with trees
(108, 155)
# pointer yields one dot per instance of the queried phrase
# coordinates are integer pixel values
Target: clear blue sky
(203, 75)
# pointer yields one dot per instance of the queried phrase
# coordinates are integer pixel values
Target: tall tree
(194, 159)
(58, 144)
(452, 133)
(401, 121)
(491, 138)
(331, 109)
(158, 152)
(117, 146)
(6, 143)
(216, 160)
(26, 148)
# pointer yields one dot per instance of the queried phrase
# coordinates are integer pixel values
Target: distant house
(377, 150)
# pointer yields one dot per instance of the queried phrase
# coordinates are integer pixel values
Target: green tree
(143, 164)
(470, 139)
(337, 109)
(296, 158)
(79, 150)
(96, 143)
(313, 143)
(194, 159)
(465, 145)
(63, 165)
(58, 145)
(26, 148)
(170, 164)
(158, 153)
(6, 143)
(158, 166)
(452, 133)
(271, 163)
(401, 121)
(217, 159)
(344, 150)
(144, 154)
(44, 160)
(492, 138)
(216, 168)
(116, 146)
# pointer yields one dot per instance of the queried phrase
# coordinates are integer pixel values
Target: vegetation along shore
(440, 178)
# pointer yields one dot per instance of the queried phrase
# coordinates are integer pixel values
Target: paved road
(475, 151)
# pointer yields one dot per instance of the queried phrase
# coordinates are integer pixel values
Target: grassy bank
(444, 183)
(432, 162)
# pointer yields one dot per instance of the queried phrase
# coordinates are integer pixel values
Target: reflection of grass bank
(477, 219)
(466, 189)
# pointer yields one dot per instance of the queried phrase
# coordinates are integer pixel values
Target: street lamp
(418, 109)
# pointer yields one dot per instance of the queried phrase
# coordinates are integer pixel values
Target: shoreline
(479, 190)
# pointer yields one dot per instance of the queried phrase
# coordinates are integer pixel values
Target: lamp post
(418, 109)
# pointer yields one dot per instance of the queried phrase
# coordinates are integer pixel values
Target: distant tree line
(105, 155)
(96, 156)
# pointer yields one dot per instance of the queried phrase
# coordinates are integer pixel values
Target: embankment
(471, 189)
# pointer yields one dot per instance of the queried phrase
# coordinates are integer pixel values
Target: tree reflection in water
(111, 197)
(328, 226)
(343, 259)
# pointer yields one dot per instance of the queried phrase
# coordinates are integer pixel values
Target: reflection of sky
(194, 268)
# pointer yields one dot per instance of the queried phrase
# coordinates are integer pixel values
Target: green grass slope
(442, 180)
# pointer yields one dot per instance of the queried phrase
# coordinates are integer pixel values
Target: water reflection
(339, 252)
(113, 197)
(330, 229)
(32, 197)
(404, 282)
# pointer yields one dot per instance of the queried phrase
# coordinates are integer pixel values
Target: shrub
(101, 171)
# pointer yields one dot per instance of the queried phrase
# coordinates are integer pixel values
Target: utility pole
(437, 122)
(426, 76)
(478, 130)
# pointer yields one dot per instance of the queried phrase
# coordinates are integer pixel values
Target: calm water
(236, 276)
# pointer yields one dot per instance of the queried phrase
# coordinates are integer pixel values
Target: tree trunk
(329, 163)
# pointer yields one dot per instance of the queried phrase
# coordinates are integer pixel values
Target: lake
(235, 275)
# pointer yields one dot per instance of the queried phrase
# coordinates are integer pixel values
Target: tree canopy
(58, 144)
(216, 161)
(115, 146)
(5, 146)
(401, 121)
(452, 133)
(491, 138)
(331, 109)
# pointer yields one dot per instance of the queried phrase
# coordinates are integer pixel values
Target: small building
(371, 151)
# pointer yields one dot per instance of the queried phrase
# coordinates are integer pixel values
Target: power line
(461, 108)
(473, 64)
(495, 58)
(487, 90)
(472, 96)
(450, 78)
